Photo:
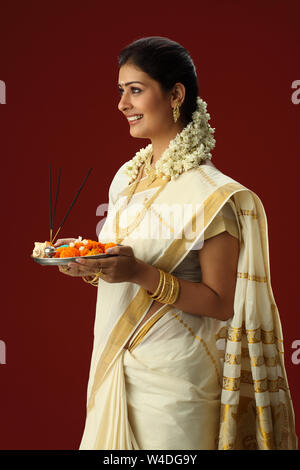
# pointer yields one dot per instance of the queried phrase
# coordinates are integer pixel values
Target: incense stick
(56, 196)
(50, 202)
(72, 204)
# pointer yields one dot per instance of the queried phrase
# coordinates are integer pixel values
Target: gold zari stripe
(252, 277)
(232, 384)
(144, 330)
(247, 212)
(253, 335)
(256, 361)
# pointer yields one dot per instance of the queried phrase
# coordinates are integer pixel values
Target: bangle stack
(168, 289)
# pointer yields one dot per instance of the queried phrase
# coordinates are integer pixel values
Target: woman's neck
(161, 143)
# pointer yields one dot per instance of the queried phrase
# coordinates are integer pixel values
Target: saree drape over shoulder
(188, 382)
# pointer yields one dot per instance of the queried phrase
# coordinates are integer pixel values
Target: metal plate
(61, 261)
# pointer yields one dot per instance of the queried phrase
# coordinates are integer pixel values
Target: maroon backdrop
(59, 64)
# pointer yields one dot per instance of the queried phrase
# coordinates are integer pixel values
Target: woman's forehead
(130, 73)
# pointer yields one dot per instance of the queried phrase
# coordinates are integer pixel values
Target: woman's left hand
(121, 268)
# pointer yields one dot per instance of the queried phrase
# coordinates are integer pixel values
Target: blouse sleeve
(224, 221)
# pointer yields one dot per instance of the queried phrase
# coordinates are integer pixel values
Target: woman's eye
(134, 90)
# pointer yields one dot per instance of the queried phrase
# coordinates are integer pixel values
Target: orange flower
(95, 251)
(79, 244)
(69, 252)
(84, 252)
(109, 245)
(57, 253)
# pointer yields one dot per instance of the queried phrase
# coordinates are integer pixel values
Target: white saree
(188, 382)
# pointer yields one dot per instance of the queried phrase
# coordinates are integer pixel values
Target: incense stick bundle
(71, 205)
(50, 202)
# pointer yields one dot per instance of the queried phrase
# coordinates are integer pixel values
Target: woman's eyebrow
(129, 83)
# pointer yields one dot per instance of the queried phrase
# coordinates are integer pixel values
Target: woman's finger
(65, 269)
(88, 264)
(123, 250)
(88, 269)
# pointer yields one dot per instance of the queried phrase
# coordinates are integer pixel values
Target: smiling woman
(187, 339)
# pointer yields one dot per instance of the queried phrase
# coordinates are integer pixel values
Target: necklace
(150, 171)
(123, 233)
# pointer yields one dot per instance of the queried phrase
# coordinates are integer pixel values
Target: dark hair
(168, 63)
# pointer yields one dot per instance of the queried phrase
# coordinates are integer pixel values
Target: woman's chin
(138, 133)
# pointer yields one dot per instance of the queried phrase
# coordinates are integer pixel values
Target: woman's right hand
(63, 241)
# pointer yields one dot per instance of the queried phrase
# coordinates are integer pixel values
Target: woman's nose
(124, 103)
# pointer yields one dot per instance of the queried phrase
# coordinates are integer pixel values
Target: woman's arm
(214, 296)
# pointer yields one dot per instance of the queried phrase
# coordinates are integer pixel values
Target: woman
(188, 345)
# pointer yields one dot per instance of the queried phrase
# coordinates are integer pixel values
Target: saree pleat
(109, 415)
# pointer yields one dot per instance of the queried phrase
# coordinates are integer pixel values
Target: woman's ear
(178, 94)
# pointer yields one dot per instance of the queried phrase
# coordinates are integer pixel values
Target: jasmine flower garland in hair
(186, 151)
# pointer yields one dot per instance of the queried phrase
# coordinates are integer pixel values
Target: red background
(59, 63)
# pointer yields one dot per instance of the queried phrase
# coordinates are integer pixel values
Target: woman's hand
(121, 268)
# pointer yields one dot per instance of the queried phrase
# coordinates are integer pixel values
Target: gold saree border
(147, 327)
(253, 427)
(122, 329)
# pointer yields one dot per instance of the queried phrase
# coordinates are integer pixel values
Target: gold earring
(176, 112)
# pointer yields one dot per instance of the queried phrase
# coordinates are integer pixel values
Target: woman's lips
(131, 123)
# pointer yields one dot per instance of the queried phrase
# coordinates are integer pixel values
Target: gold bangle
(171, 291)
(171, 281)
(176, 291)
(158, 290)
(94, 281)
(161, 277)
(163, 284)
(166, 288)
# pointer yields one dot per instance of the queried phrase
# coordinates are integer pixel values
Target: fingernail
(109, 250)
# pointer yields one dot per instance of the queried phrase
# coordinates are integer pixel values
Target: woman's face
(143, 97)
